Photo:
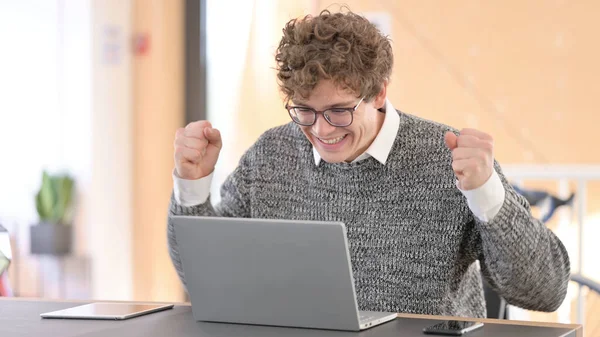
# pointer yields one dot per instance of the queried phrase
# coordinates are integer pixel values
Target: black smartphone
(452, 328)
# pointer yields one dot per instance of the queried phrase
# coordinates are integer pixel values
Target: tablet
(112, 311)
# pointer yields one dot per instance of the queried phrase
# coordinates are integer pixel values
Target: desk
(20, 317)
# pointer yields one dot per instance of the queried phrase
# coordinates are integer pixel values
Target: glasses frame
(315, 112)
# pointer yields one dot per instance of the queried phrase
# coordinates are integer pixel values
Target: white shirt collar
(383, 142)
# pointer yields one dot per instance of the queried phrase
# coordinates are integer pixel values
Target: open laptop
(271, 272)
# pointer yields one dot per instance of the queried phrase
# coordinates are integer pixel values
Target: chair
(592, 303)
(586, 282)
(496, 306)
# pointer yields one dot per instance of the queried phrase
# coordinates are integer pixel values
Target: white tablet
(112, 311)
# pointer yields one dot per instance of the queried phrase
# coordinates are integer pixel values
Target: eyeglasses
(338, 117)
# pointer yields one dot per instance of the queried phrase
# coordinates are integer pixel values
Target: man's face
(339, 144)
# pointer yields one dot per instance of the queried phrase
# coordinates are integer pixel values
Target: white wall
(110, 216)
(29, 124)
(65, 107)
(225, 68)
(44, 112)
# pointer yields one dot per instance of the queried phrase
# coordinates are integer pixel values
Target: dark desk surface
(21, 318)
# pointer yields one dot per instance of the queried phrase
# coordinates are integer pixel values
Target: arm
(197, 148)
(521, 258)
(234, 203)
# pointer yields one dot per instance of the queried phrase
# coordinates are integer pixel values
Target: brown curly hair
(343, 47)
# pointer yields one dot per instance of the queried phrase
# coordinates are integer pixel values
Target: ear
(379, 101)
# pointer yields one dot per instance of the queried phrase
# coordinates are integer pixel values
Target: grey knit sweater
(415, 246)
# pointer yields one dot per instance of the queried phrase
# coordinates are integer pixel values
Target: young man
(428, 210)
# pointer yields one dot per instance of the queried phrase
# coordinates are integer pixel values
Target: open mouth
(332, 141)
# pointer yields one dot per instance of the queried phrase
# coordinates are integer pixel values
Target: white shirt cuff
(191, 192)
(485, 201)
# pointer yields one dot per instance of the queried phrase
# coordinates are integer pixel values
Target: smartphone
(452, 328)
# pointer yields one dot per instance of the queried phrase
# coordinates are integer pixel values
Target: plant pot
(50, 239)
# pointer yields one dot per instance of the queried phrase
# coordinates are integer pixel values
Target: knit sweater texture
(415, 245)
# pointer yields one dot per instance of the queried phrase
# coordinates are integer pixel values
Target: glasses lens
(339, 117)
(302, 116)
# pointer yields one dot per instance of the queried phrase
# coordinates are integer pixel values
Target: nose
(322, 127)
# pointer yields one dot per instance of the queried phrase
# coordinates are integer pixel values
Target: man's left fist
(472, 157)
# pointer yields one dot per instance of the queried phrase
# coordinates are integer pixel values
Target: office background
(97, 88)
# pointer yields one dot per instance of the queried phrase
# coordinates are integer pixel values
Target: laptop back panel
(268, 272)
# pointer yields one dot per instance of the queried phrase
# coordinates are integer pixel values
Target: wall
(242, 92)
(66, 106)
(138, 105)
(45, 104)
(523, 71)
(110, 213)
(158, 97)
(463, 64)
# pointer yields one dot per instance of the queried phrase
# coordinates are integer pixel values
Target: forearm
(526, 263)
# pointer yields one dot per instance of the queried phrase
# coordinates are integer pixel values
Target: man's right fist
(197, 148)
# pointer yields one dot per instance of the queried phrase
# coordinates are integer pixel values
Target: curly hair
(343, 47)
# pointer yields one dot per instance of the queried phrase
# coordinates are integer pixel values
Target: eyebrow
(336, 105)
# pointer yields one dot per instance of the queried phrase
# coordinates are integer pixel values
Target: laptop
(271, 272)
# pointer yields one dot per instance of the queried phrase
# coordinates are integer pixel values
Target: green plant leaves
(54, 201)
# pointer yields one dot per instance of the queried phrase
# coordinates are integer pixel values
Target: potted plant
(54, 205)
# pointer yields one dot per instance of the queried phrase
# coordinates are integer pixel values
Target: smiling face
(339, 144)
(333, 60)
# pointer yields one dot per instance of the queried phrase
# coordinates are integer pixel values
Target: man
(427, 209)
